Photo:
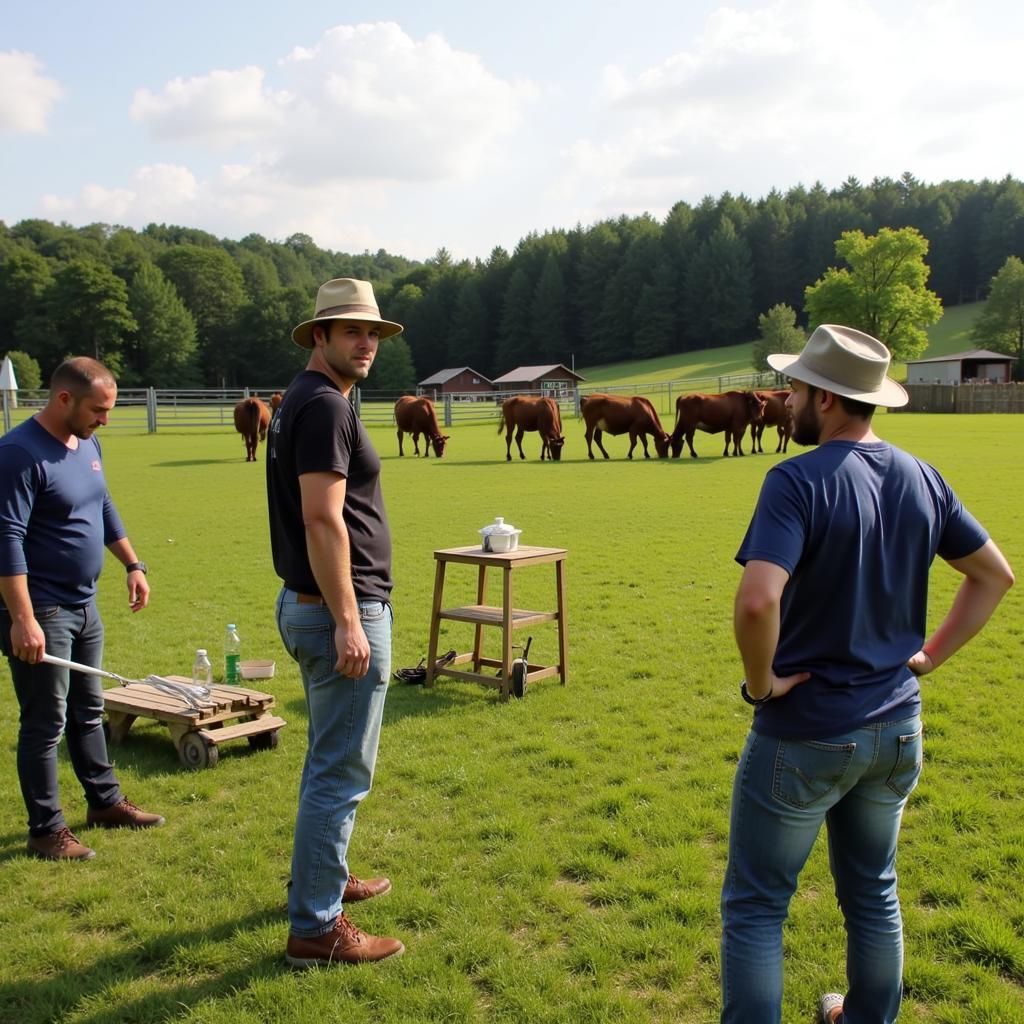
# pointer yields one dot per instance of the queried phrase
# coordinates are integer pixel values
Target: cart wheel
(264, 740)
(195, 752)
(519, 672)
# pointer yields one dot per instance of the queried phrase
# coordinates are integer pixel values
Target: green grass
(951, 334)
(555, 859)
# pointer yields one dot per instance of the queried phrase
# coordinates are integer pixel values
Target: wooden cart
(198, 735)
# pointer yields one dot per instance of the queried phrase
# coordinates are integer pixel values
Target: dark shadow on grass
(56, 997)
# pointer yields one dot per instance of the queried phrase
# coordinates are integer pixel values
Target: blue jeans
(54, 700)
(858, 784)
(344, 729)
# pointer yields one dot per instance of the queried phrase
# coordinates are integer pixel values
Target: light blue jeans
(344, 729)
(857, 784)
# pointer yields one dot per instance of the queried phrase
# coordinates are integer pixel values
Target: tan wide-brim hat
(845, 362)
(344, 298)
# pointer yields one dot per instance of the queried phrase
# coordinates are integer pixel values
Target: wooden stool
(506, 616)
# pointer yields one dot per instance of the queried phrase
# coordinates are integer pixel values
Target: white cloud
(799, 90)
(26, 94)
(364, 102)
(222, 108)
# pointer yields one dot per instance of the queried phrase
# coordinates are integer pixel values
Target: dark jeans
(54, 700)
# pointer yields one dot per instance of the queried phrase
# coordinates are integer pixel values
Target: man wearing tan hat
(332, 548)
(830, 622)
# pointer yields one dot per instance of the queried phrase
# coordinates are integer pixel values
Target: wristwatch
(756, 701)
(137, 567)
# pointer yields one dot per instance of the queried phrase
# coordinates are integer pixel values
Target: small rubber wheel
(264, 741)
(519, 672)
(194, 752)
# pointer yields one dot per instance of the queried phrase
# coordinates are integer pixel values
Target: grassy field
(556, 859)
(951, 334)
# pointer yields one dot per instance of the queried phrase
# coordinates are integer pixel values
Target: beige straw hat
(344, 298)
(845, 362)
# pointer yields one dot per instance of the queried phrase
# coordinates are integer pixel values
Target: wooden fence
(964, 398)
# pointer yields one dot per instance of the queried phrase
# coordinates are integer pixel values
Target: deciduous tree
(883, 292)
(778, 332)
(1001, 324)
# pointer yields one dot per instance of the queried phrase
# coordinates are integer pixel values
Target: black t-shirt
(316, 430)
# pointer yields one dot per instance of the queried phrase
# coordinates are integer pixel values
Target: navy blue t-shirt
(857, 526)
(56, 515)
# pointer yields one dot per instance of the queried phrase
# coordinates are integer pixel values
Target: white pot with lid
(499, 537)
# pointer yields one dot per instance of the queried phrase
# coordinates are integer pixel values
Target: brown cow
(615, 415)
(417, 416)
(731, 412)
(776, 414)
(275, 401)
(252, 418)
(521, 413)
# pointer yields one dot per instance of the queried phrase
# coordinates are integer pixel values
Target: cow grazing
(731, 412)
(776, 414)
(275, 401)
(614, 414)
(417, 416)
(522, 413)
(252, 418)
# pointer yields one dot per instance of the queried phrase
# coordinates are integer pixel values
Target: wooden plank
(490, 615)
(472, 677)
(265, 723)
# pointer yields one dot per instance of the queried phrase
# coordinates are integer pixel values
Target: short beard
(807, 427)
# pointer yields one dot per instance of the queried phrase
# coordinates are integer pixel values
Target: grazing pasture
(556, 859)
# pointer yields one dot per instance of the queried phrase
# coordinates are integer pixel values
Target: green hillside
(951, 334)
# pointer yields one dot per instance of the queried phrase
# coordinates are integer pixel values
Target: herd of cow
(729, 413)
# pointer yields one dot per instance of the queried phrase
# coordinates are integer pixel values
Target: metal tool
(193, 696)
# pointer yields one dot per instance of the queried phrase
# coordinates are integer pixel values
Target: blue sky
(411, 126)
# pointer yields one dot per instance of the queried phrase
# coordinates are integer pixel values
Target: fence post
(7, 413)
(576, 401)
(447, 410)
(151, 409)
(358, 402)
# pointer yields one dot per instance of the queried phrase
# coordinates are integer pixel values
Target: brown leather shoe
(343, 944)
(123, 814)
(357, 889)
(59, 845)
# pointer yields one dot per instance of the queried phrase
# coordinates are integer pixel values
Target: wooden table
(504, 616)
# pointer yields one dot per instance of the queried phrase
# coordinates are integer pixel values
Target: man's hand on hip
(353, 650)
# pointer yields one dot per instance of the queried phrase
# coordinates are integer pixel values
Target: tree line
(177, 307)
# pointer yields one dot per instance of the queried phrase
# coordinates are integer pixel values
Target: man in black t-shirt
(332, 548)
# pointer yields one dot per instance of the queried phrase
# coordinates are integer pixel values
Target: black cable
(418, 676)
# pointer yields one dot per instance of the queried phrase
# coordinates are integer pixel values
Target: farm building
(461, 380)
(975, 365)
(555, 378)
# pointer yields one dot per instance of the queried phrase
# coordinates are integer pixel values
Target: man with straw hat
(332, 548)
(830, 620)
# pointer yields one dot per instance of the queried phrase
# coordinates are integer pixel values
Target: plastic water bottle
(232, 655)
(202, 670)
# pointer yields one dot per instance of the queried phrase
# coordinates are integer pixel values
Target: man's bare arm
(327, 543)
(756, 614)
(987, 577)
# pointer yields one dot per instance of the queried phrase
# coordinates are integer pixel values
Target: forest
(171, 306)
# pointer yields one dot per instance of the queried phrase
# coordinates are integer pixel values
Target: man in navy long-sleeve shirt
(56, 517)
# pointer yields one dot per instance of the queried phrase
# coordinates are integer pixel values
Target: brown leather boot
(123, 814)
(343, 944)
(357, 889)
(59, 845)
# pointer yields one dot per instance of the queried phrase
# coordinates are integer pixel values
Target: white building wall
(932, 373)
